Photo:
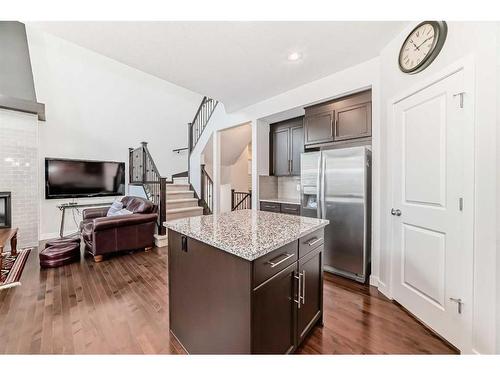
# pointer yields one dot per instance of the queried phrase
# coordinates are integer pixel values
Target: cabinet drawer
(292, 209)
(270, 264)
(270, 206)
(311, 242)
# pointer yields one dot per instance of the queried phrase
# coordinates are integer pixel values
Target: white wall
(97, 108)
(498, 190)
(464, 38)
(238, 172)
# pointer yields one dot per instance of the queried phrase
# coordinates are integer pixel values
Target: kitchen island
(245, 281)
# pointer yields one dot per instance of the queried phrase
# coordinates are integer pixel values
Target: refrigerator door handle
(318, 187)
(323, 173)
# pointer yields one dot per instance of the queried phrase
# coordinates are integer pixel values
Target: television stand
(72, 205)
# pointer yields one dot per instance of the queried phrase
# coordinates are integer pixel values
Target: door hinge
(461, 94)
(461, 204)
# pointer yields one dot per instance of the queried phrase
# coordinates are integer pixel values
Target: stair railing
(241, 200)
(143, 171)
(200, 121)
(207, 192)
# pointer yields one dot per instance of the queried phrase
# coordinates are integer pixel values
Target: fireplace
(5, 210)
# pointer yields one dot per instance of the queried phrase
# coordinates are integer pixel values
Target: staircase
(176, 199)
(180, 201)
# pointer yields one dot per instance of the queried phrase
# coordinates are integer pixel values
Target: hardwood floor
(121, 306)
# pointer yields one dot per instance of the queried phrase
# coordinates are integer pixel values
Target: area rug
(12, 268)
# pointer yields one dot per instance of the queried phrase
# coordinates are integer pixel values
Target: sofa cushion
(138, 205)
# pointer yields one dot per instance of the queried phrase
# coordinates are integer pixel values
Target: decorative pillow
(115, 207)
(123, 211)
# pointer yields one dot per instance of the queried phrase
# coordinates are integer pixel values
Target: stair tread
(182, 200)
(184, 209)
(174, 184)
(179, 191)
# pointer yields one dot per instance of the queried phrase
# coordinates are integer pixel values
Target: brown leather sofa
(103, 235)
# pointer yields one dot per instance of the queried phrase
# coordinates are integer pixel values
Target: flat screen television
(68, 178)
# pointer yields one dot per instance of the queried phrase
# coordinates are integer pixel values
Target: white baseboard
(374, 281)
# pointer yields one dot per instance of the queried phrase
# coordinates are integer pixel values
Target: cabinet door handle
(303, 287)
(288, 256)
(299, 292)
(314, 241)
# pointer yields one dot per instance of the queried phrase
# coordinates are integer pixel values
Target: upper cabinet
(286, 145)
(340, 120)
(318, 124)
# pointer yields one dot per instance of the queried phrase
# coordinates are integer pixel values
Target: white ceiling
(238, 63)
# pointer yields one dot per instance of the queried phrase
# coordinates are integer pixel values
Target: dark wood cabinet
(310, 274)
(273, 315)
(353, 121)
(318, 124)
(343, 119)
(284, 208)
(270, 206)
(281, 151)
(286, 145)
(288, 305)
(296, 148)
(220, 303)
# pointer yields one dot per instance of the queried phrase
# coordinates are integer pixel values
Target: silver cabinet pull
(458, 302)
(288, 256)
(303, 287)
(299, 293)
(313, 241)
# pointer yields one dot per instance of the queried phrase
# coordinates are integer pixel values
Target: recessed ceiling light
(294, 56)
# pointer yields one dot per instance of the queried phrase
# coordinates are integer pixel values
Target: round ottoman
(60, 254)
(62, 241)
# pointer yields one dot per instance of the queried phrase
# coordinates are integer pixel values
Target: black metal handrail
(178, 150)
(241, 200)
(200, 120)
(143, 171)
(207, 190)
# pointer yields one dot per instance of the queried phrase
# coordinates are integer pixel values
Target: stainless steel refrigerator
(336, 185)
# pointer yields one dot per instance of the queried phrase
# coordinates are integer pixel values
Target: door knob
(395, 212)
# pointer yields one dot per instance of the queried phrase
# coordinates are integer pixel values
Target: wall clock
(422, 46)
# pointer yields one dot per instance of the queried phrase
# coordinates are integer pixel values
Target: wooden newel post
(232, 199)
(163, 206)
(130, 164)
(144, 161)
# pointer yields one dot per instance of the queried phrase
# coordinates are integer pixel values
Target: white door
(432, 208)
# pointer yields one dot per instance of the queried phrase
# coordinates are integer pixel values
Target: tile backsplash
(287, 187)
(279, 187)
(268, 187)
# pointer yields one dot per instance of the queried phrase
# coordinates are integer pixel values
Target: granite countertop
(281, 200)
(248, 234)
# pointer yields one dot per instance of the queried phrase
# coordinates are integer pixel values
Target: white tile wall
(287, 188)
(19, 171)
(268, 187)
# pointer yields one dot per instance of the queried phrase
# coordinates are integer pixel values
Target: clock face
(421, 46)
